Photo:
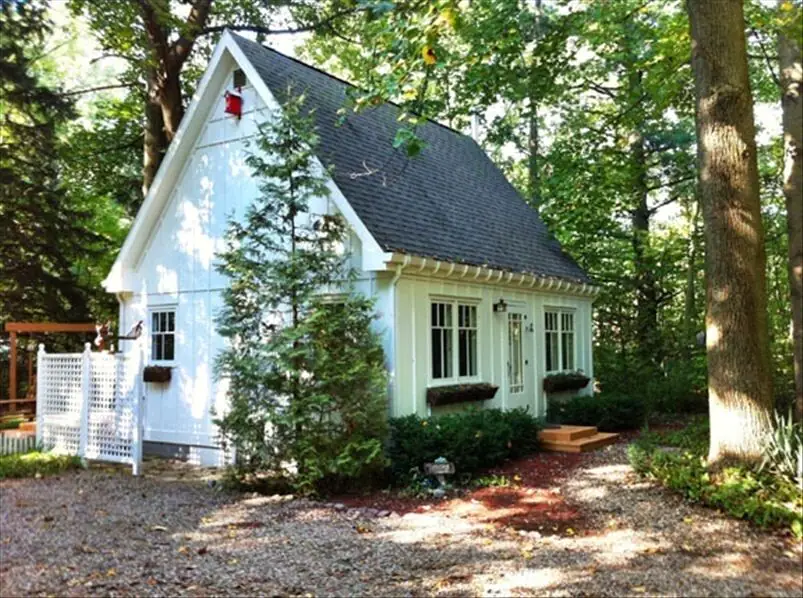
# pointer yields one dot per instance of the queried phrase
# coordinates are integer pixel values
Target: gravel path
(102, 532)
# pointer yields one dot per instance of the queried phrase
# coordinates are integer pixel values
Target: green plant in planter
(565, 381)
(460, 393)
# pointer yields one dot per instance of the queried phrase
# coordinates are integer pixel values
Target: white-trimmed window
(453, 324)
(559, 340)
(163, 334)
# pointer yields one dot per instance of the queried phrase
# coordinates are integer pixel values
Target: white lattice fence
(88, 404)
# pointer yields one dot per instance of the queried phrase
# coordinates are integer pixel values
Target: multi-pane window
(163, 335)
(467, 340)
(445, 335)
(559, 340)
(442, 338)
(515, 353)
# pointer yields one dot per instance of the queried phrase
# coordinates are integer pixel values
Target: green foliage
(783, 449)
(764, 498)
(473, 440)
(11, 423)
(28, 465)
(48, 236)
(694, 437)
(307, 384)
(608, 411)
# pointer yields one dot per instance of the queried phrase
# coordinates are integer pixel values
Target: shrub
(765, 499)
(783, 448)
(473, 440)
(27, 465)
(608, 411)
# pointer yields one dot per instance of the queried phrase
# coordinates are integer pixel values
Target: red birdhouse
(234, 104)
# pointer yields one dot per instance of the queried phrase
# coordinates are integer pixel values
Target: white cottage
(469, 284)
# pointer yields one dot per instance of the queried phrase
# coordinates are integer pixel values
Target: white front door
(520, 367)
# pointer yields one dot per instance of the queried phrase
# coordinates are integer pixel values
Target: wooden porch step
(581, 445)
(566, 433)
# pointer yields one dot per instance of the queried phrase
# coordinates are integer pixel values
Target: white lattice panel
(59, 414)
(111, 418)
(87, 405)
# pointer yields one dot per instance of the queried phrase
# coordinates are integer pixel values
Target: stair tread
(567, 433)
(579, 445)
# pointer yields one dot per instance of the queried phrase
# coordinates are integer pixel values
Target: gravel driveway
(102, 532)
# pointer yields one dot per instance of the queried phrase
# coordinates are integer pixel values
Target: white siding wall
(412, 346)
(177, 269)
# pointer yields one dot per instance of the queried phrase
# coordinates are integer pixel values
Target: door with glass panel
(519, 359)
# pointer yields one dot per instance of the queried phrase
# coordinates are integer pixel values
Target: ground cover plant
(677, 460)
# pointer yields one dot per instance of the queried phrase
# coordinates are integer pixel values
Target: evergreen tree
(44, 235)
(306, 373)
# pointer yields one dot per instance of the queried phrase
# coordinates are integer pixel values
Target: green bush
(783, 448)
(27, 465)
(765, 499)
(473, 440)
(608, 411)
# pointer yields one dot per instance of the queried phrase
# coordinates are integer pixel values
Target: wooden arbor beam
(31, 327)
(14, 328)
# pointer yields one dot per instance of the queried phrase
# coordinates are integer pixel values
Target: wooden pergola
(15, 328)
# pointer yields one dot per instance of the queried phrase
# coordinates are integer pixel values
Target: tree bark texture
(737, 339)
(791, 69)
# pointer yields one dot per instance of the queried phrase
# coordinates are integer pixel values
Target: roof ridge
(345, 82)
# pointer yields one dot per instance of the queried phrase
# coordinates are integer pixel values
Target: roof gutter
(466, 273)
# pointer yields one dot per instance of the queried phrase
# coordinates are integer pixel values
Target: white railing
(90, 405)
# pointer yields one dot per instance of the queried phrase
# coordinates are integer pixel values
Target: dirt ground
(571, 525)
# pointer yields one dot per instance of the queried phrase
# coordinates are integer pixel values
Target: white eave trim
(430, 267)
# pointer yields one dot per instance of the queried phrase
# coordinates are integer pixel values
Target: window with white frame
(163, 334)
(559, 340)
(453, 325)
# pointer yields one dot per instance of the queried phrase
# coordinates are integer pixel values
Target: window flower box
(460, 393)
(565, 381)
(156, 373)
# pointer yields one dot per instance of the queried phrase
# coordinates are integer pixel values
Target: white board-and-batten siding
(177, 270)
(413, 347)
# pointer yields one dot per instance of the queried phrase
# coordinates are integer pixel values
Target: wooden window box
(565, 381)
(460, 393)
(156, 373)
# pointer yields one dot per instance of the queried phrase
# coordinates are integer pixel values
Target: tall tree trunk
(155, 142)
(533, 178)
(791, 67)
(737, 339)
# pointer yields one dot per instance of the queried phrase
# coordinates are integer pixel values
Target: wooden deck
(575, 439)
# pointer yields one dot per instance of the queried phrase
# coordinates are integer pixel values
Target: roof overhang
(430, 267)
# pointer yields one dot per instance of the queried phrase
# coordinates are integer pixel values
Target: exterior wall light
(500, 307)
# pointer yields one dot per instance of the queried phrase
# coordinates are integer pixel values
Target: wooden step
(566, 433)
(580, 445)
(28, 427)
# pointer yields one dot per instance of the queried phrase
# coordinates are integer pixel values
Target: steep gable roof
(449, 203)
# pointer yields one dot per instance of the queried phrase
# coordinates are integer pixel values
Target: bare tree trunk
(155, 142)
(534, 183)
(791, 67)
(737, 339)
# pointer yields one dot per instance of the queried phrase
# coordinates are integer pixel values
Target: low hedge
(765, 499)
(473, 440)
(609, 412)
(28, 465)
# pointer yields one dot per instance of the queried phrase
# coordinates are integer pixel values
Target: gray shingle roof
(450, 202)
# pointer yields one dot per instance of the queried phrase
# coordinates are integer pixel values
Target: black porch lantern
(500, 307)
